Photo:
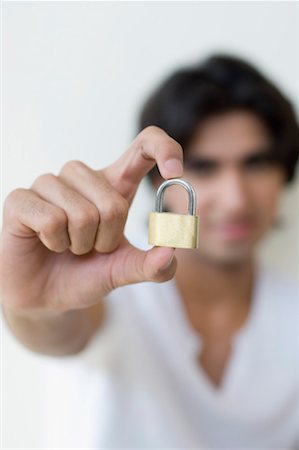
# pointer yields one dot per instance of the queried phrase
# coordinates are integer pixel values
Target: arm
(53, 333)
(62, 246)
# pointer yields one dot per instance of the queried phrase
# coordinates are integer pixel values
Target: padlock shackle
(186, 185)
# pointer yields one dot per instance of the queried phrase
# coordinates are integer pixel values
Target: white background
(74, 78)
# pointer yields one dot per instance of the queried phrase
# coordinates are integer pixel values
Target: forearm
(55, 334)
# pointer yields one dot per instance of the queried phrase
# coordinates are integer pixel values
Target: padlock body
(173, 230)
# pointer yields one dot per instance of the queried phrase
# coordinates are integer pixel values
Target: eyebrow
(204, 161)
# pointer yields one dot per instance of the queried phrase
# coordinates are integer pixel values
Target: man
(167, 348)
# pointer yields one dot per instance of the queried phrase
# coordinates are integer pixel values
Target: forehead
(230, 135)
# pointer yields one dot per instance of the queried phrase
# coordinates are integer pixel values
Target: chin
(226, 257)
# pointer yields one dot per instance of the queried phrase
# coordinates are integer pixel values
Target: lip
(234, 230)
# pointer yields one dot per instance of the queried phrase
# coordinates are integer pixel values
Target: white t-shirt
(138, 385)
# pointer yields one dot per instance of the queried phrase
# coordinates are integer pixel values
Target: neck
(209, 283)
(211, 290)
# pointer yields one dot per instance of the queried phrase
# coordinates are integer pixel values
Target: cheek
(265, 195)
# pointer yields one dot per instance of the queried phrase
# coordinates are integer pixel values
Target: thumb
(157, 264)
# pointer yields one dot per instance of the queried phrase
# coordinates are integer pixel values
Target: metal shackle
(186, 185)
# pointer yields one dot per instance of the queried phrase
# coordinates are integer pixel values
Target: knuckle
(13, 204)
(149, 132)
(109, 214)
(15, 195)
(159, 137)
(81, 222)
(54, 223)
(151, 129)
(94, 214)
(69, 196)
(116, 210)
(86, 217)
(122, 206)
(171, 146)
(43, 179)
(72, 166)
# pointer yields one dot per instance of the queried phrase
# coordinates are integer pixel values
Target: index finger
(152, 146)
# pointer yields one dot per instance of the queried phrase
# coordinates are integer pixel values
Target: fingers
(152, 146)
(111, 207)
(25, 211)
(78, 210)
(96, 213)
(82, 216)
(81, 208)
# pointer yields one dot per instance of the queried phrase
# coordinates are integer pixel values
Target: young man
(167, 348)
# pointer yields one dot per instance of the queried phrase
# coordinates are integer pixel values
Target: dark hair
(218, 84)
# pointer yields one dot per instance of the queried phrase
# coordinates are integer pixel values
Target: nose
(233, 193)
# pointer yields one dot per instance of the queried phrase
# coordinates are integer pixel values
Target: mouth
(234, 230)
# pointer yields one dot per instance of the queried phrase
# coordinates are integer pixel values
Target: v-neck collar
(193, 342)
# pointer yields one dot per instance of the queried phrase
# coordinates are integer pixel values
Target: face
(237, 186)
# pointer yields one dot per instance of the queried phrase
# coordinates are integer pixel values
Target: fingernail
(168, 264)
(174, 166)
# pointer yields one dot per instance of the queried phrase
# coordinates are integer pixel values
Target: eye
(258, 162)
(201, 168)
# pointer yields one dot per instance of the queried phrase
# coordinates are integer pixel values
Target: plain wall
(74, 76)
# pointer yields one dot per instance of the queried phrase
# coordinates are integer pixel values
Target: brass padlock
(174, 230)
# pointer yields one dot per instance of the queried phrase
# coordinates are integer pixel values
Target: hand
(62, 245)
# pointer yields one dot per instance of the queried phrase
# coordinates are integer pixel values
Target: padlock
(168, 229)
